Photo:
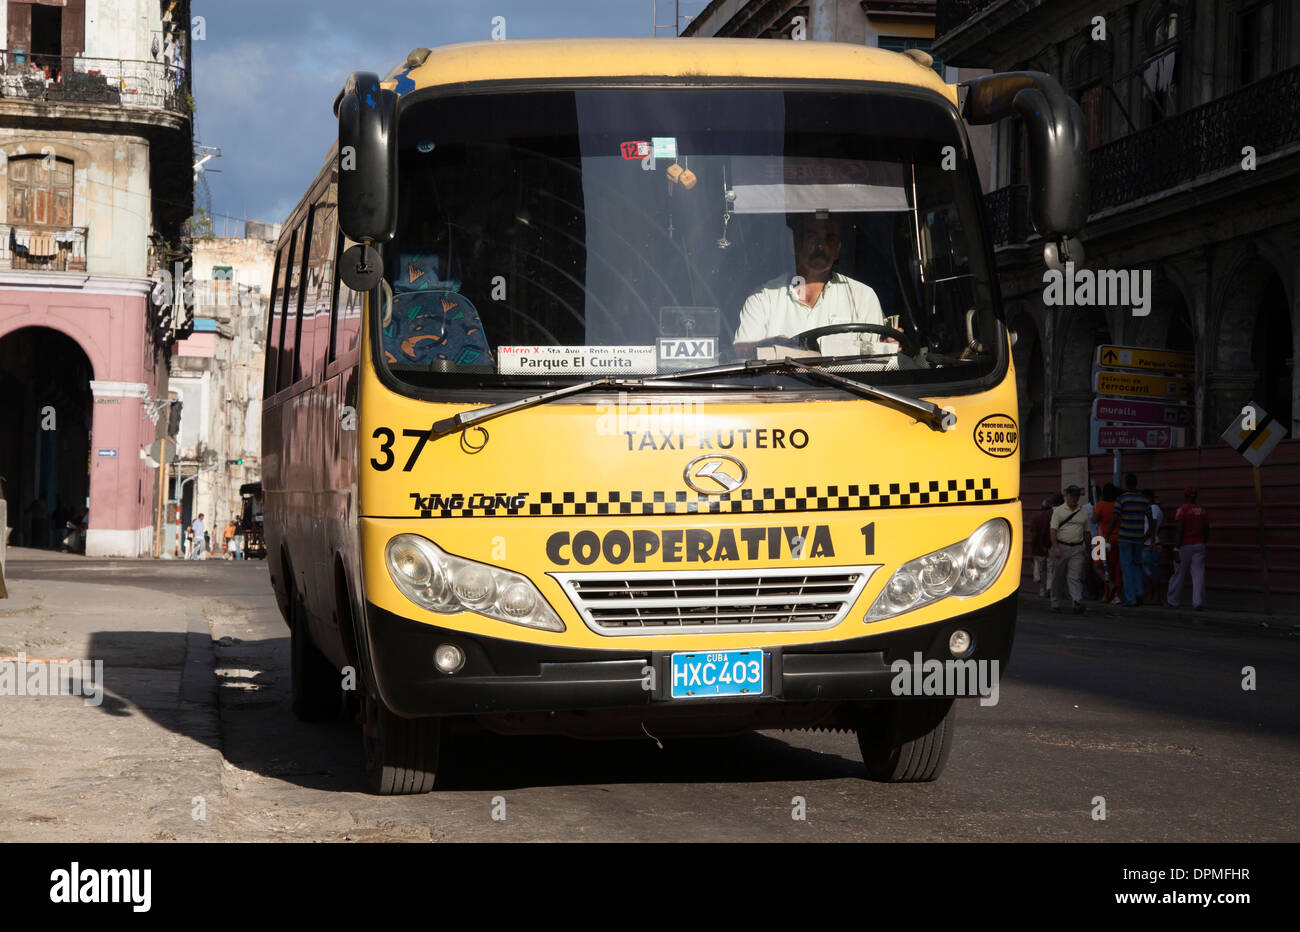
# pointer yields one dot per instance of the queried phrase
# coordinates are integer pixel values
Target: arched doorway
(44, 433)
(1031, 385)
(1078, 333)
(1252, 350)
(1272, 353)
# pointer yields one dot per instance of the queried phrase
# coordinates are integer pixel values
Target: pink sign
(1142, 412)
(1134, 438)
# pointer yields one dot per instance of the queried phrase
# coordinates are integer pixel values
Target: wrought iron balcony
(42, 248)
(155, 85)
(1199, 142)
(1008, 210)
(1175, 152)
(949, 14)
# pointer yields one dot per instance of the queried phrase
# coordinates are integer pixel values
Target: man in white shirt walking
(1069, 530)
(817, 296)
(198, 528)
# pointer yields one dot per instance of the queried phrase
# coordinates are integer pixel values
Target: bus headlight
(962, 569)
(444, 583)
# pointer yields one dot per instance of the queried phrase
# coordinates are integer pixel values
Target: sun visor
(802, 185)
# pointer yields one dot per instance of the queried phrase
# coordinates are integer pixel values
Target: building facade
(96, 183)
(217, 374)
(1192, 120)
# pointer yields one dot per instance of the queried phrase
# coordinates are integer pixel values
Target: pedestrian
(1151, 555)
(1108, 565)
(199, 533)
(1040, 544)
(1131, 520)
(1191, 534)
(1069, 530)
(229, 535)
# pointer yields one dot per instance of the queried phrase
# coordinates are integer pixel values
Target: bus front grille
(715, 601)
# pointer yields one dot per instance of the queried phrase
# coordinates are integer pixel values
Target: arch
(1169, 324)
(37, 317)
(1031, 383)
(1251, 340)
(45, 431)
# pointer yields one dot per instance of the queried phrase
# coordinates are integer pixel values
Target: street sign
(110, 454)
(1134, 438)
(1142, 412)
(1254, 434)
(1145, 357)
(1142, 386)
(155, 450)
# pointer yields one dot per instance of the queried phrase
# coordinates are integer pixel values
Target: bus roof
(541, 59)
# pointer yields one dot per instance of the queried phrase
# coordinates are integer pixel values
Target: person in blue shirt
(1133, 517)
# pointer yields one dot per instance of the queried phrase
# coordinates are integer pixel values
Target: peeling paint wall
(110, 194)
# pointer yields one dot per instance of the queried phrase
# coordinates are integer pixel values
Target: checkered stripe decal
(746, 501)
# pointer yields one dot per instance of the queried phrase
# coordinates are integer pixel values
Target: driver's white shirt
(775, 311)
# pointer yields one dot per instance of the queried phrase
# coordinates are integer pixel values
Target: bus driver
(818, 296)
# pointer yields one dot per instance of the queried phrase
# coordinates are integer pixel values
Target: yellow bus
(651, 388)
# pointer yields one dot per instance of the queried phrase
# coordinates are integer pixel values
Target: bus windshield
(561, 235)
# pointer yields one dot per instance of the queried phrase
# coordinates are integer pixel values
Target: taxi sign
(1142, 386)
(1254, 434)
(1145, 357)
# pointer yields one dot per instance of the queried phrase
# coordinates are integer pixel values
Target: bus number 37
(387, 438)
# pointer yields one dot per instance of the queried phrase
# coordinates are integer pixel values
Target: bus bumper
(515, 676)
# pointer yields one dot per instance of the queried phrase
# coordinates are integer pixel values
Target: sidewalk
(122, 755)
(1278, 622)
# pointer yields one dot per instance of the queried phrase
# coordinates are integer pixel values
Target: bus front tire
(908, 740)
(401, 753)
(316, 688)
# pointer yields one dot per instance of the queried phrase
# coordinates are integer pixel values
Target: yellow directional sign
(1142, 386)
(1145, 357)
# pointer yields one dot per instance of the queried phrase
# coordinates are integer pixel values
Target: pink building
(96, 181)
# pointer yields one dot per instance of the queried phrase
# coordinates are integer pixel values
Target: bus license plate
(717, 673)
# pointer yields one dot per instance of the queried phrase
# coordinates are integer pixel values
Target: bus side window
(319, 285)
(289, 343)
(347, 311)
(274, 323)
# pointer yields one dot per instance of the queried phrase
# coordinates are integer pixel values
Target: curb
(1182, 617)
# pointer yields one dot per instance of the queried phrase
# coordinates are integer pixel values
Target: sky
(266, 73)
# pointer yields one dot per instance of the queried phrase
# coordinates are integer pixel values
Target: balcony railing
(1204, 140)
(1008, 210)
(113, 81)
(42, 248)
(949, 14)
(1174, 152)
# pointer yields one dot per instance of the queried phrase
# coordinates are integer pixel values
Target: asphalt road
(1150, 716)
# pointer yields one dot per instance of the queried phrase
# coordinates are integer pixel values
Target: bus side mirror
(367, 159)
(1058, 149)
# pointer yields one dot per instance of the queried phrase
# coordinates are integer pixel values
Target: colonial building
(96, 182)
(888, 24)
(217, 373)
(1193, 124)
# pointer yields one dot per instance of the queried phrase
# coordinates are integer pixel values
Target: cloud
(266, 74)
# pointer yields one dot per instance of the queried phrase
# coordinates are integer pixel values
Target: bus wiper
(927, 412)
(449, 425)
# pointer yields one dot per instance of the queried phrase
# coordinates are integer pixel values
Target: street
(194, 739)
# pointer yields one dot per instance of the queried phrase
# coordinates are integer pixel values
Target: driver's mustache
(820, 253)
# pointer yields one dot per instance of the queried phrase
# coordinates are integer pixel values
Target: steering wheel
(808, 339)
